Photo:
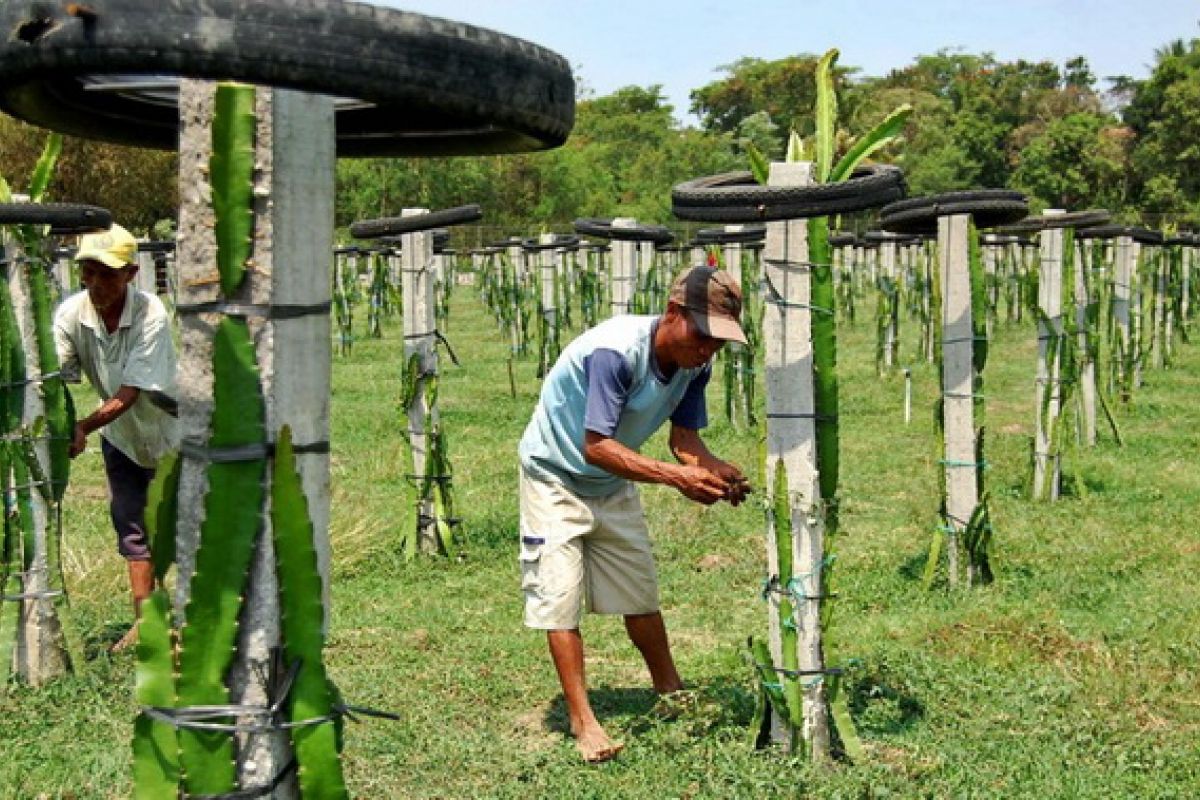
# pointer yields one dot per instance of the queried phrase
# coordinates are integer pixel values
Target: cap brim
(107, 259)
(718, 327)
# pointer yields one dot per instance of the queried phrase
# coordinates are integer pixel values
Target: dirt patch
(534, 730)
(712, 561)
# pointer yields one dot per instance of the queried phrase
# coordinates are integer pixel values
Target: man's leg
(566, 648)
(649, 634)
(553, 521)
(128, 484)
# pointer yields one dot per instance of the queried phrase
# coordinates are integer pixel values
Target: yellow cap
(114, 247)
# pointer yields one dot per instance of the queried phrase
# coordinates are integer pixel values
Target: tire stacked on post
(429, 526)
(961, 341)
(415, 85)
(34, 461)
(799, 694)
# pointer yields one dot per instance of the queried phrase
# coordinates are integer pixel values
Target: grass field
(1073, 676)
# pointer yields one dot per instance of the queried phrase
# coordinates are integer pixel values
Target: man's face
(105, 286)
(692, 347)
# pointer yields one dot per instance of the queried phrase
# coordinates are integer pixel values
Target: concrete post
(290, 266)
(420, 339)
(1124, 259)
(1048, 395)
(958, 398)
(624, 269)
(40, 654)
(792, 440)
(1083, 338)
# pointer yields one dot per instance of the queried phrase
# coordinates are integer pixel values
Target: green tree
(138, 186)
(1078, 160)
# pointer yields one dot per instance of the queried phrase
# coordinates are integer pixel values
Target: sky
(683, 45)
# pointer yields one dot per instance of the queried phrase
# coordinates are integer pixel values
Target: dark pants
(128, 482)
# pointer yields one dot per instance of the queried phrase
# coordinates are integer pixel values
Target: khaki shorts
(577, 550)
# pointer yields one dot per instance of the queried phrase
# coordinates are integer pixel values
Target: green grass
(1073, 676)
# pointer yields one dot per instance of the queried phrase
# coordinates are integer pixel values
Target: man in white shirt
(121, 339)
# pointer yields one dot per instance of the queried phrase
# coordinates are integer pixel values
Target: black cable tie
(245, 452)
(799, 266)
(776, 299)
(254, 793)
(442, 479)
(800, 673)
(43, 377)
(270, 311)
(449, 350)
(815, 416)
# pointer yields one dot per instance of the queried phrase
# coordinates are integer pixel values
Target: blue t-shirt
(609, 382)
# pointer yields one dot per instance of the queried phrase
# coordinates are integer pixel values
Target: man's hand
(701, 485)
(736, 484)
(78, 441)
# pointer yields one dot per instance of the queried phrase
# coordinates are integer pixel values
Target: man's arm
(687, 446)
(112, 408)
(694, 482)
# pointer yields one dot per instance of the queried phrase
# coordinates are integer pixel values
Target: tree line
(1067, 138)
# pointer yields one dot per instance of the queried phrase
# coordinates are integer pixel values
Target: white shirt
(139, 353)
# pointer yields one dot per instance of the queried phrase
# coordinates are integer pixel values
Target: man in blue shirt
(584, 538)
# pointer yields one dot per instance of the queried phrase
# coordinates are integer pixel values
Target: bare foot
(595, 746)
(125, 642)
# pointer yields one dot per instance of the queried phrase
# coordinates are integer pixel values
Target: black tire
(1185, 239)
(1001, 236)
(1138, 234)
(163, 246)
(988, 208)
(735, 197)
(882, 237)
(749, 234)
(560, 242)
(603, 229)
(1072, 219)
(63, 218)
(394, 226)
(429, 86)
(842, 239)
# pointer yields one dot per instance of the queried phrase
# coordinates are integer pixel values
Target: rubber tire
(561, 242)
(842, 239)
(63, 218)
(164, 246)
(734, 196)
(394, 226)
(437, 87)
(751, 234)
(988, 208)
(603, 229)
(1138, 234)
(884, 237)
(1073, 219)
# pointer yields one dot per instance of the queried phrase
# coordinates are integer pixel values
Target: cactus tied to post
(183, 674)
(811, 696)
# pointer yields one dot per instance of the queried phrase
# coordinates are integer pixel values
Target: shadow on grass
(880, 703)
(701, 708)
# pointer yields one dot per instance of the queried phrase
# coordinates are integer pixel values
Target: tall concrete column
(290, 266)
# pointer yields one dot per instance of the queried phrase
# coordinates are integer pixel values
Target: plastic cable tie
(246, 452)
(270, 311)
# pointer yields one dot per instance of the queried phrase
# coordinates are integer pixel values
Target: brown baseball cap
(713, 299)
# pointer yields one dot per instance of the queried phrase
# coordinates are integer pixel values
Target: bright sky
(682, 45)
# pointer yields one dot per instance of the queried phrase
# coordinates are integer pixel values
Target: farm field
(1072, 676)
